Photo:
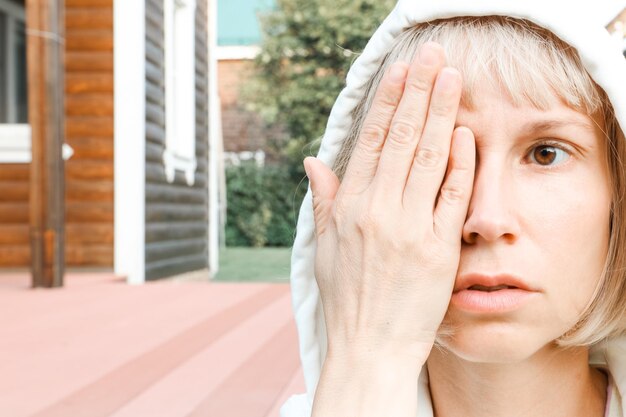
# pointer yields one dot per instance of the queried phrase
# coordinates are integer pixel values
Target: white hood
(583, 28)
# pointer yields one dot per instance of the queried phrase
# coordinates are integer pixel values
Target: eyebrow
(539, 126)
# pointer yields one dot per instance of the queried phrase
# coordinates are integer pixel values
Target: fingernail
(397, 72)
(429, 54)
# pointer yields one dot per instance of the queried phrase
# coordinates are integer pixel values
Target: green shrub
(262, 204)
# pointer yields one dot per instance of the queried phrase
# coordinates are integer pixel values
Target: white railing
(236, 158)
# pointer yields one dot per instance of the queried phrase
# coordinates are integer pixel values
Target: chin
(491, 342)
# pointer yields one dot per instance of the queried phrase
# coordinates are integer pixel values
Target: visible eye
(548, 154)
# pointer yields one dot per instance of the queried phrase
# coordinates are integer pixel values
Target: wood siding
(14, 221)
(89, 131)
(176, 214)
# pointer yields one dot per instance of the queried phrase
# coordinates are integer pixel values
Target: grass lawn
(254, 265)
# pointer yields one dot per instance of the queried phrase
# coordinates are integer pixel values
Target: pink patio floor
(99, 347)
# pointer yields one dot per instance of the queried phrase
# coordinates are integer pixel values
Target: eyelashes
(548, 154)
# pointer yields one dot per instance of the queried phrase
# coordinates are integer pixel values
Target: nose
(492, 213)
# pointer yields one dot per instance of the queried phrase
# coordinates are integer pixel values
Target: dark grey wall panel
(176, 213)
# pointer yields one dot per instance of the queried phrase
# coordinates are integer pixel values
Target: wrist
(394, 356)
(367, 384)
(384, 368)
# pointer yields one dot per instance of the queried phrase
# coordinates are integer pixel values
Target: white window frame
(15, 139)
(180, 89)
(15, 144)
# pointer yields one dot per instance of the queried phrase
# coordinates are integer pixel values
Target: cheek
(568, 223)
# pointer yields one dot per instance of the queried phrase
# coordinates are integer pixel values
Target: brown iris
(545, 155)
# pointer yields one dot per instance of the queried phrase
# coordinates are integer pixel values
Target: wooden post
(44, 22)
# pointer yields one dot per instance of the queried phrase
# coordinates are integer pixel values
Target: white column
(216, 173)
(130, 138)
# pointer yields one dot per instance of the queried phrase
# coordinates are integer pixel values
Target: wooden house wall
(14, 221)
(89, 130)
(176, 214)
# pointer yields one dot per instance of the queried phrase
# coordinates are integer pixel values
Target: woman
(468, 244)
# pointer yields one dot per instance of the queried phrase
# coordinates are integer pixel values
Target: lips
(490, 289)
(490, 283)
(491, 294)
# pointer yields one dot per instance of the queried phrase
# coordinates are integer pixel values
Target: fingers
(364, 159)
(409, 120)
(433, 150)
(324, 186)
(454, 198)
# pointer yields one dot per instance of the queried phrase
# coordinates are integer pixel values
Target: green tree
(307, 48)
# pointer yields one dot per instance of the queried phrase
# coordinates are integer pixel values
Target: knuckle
(453, 192)
(403, 244)
(372, 135)
(428, 158)
(367, 223)
(402, 131)
(463, 169)
(442, 109)
(320, 211)
(419, 85)
(387, 100)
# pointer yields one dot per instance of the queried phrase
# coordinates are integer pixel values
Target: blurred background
(150, 181)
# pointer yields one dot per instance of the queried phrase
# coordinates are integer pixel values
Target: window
(14, 129)
(180, 89)
(13, 75)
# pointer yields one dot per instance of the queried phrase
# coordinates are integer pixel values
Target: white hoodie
(581, 27)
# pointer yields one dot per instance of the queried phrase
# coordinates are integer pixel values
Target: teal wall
(237, 22)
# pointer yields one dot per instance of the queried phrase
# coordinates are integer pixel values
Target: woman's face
(539, 211)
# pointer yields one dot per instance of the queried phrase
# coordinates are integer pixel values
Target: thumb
(324, 186)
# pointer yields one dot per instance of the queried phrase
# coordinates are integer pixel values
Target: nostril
(470, 238)
(509, 237)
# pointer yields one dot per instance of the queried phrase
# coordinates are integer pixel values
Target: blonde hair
(531, 65)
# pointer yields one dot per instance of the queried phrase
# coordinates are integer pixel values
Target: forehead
(489, 99)
(494, 109)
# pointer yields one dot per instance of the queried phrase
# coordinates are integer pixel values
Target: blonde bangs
(528, 63)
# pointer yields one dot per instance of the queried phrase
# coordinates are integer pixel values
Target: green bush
(262, 205)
